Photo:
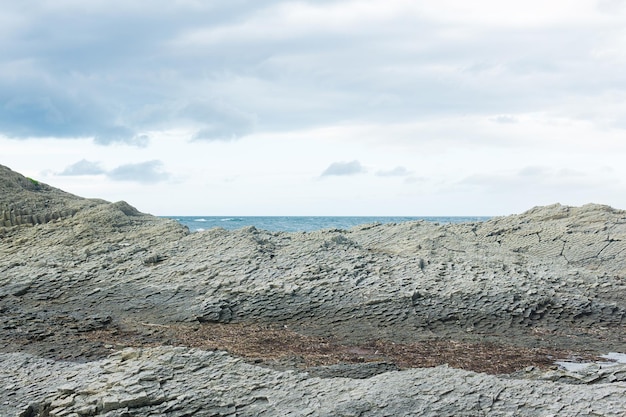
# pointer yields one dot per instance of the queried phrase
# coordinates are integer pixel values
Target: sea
(303, 223)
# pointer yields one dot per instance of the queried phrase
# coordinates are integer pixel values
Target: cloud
(398, 171)
(144, 172)
(533, 177)
(83, 167)
(33, 106)
(148, 172)
(414, 180)
(504, 118)
(343, 169)
(220, 121)
(115, 81)
(611, 6)
(535, 171)
(121, 134)
(540, 185)
(225, 70)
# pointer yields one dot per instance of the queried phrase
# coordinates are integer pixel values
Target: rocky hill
(95, 295)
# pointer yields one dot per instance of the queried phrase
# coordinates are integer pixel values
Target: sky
(366, 107)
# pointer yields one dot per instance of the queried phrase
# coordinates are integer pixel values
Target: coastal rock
(179, 381)
(81, 279)
(26, 201)
(215, 311)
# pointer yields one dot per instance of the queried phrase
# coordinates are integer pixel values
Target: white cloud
(83, 167)
(504, 118)
(148, 172)
(612, 6)
(542, 180)
(343, 169)
(527, 14)
(398, 171)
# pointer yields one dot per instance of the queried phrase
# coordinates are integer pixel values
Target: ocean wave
(302, 223)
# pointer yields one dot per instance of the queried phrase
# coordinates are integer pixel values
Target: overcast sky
(366, 107)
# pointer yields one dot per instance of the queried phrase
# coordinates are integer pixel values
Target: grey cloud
(83, 167)
(398, 171)
(121, 134)
(144, 172)
(148, 172)
(131, 68)
(343, 168)
(215, 133)
(40, 110)
(36, 106)
(105, 83)
(220, 120)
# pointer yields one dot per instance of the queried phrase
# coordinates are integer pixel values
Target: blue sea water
(301, 223)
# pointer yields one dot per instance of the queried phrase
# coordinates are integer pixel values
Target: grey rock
(179, 381)
(70, 268)
(351, 370)
(215, 311)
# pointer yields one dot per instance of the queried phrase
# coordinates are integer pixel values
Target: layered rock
(70, 267)
(181, 382)
(26, 201)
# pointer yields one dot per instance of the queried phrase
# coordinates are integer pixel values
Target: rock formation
(94, 295)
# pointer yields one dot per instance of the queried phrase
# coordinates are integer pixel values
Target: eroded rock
(553, 276)
(179, 381)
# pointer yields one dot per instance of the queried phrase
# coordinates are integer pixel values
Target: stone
(82, 277)
(250, 390)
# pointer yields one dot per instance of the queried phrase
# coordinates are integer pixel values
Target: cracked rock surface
(73, 270)
(182, 382)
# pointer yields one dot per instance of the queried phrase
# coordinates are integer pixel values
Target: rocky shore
(108, 311)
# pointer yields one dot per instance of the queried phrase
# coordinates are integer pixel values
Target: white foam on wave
(199, 220)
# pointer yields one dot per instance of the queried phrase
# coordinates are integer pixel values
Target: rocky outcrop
(26, 201)
(75, 271)
(182, 382)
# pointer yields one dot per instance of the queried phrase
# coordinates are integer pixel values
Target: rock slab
(72, 268)
(169, 381)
